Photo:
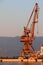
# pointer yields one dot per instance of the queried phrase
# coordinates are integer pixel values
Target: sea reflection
(31, 63)
(25, 63)
(41, 63)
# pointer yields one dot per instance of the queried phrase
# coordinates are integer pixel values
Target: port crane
(28, 35)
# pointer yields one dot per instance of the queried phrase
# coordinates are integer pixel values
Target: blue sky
(14, 15)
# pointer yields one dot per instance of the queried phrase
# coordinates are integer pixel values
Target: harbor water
(21, 63)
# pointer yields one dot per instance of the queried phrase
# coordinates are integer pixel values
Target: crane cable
(37, 22)
(37, 29)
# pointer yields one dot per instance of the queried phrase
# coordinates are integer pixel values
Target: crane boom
(30, 17)
(35, 7)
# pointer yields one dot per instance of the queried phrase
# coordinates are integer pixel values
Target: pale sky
(14, 15)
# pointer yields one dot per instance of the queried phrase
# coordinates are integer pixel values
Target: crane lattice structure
(28, 35)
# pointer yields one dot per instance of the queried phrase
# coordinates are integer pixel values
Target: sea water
(21, 63)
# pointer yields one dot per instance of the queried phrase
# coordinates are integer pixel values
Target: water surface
(22, 63)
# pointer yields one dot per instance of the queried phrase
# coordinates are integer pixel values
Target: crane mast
(28, 35)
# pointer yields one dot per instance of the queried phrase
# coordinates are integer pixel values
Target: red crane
(28, 35)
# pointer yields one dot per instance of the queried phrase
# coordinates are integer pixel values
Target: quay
(21, 60)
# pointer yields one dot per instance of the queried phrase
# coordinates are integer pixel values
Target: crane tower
(28, 35)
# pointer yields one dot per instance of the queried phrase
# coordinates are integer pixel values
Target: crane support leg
(26, 50)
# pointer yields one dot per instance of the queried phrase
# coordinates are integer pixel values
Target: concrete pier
(20, 60)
